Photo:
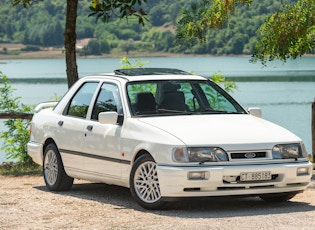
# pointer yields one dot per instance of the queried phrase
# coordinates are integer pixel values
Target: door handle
(60, 123)
(89, 127)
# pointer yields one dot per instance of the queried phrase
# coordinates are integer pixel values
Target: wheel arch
(139, 154)
(46, 143)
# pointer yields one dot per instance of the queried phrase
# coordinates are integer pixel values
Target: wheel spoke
(51, 167)
(146, 182)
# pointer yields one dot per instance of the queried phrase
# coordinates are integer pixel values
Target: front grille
(248, 155)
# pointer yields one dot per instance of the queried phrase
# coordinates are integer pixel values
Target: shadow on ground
(213, 207)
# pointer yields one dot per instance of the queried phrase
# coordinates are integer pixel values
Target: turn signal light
(302, 171)
(198, 175)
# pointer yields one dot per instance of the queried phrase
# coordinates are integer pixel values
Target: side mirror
(255, 112)
(109, 118)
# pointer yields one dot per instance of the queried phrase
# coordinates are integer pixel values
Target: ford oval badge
(250, 155)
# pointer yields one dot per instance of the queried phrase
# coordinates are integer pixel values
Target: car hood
(223, 130)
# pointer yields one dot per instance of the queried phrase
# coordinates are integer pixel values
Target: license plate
(255, 176)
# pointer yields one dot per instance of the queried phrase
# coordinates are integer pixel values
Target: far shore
(58, 53)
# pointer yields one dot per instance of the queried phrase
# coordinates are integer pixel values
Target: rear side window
(79, 104)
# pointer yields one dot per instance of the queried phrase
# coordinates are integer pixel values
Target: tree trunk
(70, 38)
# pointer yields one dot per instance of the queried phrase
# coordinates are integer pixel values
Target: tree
(95, 47)
(17, 134)
(289, 33)
(103, 10)
(202, 17)
(127, 46)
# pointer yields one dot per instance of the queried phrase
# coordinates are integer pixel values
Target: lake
(284, 92)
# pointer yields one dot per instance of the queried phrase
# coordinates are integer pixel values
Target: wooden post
(313, 130)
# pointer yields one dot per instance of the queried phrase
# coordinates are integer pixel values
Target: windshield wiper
(175, 111)
(212, 111)
(205, 161)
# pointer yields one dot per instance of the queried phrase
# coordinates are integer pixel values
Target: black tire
(280, 197)
(144, 183)
(54, 174)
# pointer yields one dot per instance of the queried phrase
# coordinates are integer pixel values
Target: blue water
(206, 66)
(287, 103)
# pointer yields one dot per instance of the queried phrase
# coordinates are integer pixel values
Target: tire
(281, 197)
(54, 174)
(144, 183)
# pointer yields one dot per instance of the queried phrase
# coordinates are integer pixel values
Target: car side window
(80, 103)
(108, 100)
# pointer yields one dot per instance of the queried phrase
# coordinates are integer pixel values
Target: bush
(95, 47)
(17, 134)
(30, 48)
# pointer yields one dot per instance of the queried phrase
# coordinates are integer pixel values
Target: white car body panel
(223, 130)
(214, 186)
(106, 152)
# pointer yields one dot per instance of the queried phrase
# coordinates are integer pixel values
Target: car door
(71, 126)
(102, 141)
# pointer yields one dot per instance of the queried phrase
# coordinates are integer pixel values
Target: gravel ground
(25, 203)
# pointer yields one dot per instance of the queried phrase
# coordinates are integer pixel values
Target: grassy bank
(19, 169)
(15, 52)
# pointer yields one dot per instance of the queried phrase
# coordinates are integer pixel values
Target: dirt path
(25, 203)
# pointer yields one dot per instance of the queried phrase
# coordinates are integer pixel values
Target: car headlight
(287, 151)
(199, 154)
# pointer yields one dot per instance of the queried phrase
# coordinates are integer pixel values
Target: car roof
(142, 74)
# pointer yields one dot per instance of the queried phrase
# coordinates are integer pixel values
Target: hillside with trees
(43, 26)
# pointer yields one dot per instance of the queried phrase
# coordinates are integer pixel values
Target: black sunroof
(150, 71)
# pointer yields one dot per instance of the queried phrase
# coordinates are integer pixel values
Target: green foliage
(25, 2)
(288, 33)
(17, 134)
(19, 169)
(127, 46)
(105, 10)
(228, 86)
(95, 47)
(203, 16)
(43, 24)
(30, 48)
(127, 64)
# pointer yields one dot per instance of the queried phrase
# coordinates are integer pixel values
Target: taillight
(30, 129)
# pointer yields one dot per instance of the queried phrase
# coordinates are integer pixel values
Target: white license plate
(255, 176)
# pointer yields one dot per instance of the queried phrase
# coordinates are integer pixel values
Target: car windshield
(170, 97)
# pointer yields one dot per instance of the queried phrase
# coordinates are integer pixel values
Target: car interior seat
(173, 99)
(145, 103)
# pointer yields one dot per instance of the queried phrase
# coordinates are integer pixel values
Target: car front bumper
(224, 180)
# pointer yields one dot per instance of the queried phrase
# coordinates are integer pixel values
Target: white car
(165, 134)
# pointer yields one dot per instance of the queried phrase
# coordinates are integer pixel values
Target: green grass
(18, 169)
